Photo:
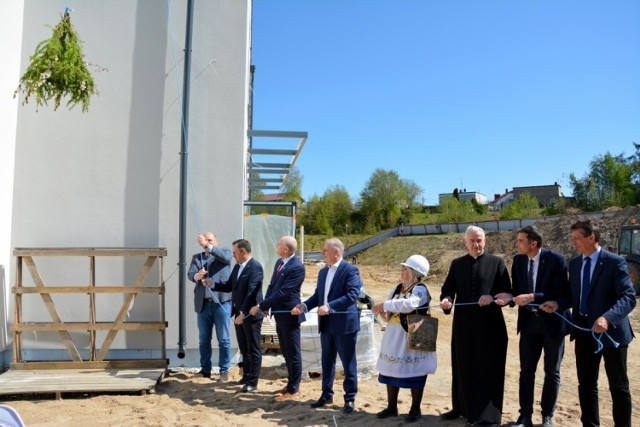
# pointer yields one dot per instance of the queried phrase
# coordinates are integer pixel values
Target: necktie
(279, 268)
(530, 277)
(586, 285)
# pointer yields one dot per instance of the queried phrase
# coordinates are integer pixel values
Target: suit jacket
(343, 296)
(552, 284)
(283, 292)
(218, 267)
(246, 290)
(611, 295)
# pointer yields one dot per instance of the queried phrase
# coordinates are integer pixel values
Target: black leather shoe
(321, 402)
(524, 421)
(386, 413)
(413, 416)
(205, 374)
(546, 421)
(348, 407)
(451, 415)
(248, 388)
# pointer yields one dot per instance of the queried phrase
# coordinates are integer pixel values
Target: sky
(482, 95)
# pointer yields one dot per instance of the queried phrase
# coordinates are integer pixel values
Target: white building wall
(110, 177)
(11, 29)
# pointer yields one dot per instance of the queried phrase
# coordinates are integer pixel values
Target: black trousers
(248, 335)
(289, 338)
(535, 338)
(588, 367)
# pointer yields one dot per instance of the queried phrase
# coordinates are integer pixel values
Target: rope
(596, 336)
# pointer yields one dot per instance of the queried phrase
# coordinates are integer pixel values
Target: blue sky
(482, 95)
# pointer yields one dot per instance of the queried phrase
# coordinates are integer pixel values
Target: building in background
(110, 177)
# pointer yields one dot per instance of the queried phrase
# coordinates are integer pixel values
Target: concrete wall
(11, 29)
(110, 177)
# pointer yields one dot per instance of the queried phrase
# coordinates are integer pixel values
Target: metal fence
(451, 227)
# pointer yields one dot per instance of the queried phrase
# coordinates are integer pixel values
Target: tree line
(388, 200)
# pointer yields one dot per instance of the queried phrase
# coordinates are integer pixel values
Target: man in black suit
(245, 284)
(539, 276)
(602, 297)
(283, 294)
(339, 322)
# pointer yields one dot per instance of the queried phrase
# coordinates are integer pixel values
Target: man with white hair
(477, 283)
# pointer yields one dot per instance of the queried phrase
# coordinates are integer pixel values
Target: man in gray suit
(214, 308)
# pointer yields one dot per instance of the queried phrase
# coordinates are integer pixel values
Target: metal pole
(184, 164)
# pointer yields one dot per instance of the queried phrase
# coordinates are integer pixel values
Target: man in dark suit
(602, 297)
(339, 322)
(283, 294)
(213, 265)
(245, 284)
(539, 276)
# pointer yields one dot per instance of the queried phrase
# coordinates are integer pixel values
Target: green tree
(608, 183)
(381, 200)
(454, 210)
(339, 208)
(525, 206)
(292, 187)
(314, 217)
(412, 191)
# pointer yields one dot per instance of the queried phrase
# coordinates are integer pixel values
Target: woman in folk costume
(398, 365)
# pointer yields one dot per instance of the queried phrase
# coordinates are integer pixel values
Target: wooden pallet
(71, 381)
(269, 336)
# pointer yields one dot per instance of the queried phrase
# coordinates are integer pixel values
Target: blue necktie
(586, 285)
(530, 277)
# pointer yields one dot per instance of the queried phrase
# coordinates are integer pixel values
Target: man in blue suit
(602, 297)
(245, 285)
(539, 276)
(283, 294)
(339, 322)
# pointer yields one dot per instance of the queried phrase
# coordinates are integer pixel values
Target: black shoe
(387, 412)
(205, 374)
(451, 415)
(321, 402)
(348, 407)
(248, 388)
(524, 421)
(546, 421)
(413, 416)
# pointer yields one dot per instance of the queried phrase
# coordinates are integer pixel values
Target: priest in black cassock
(478, 283)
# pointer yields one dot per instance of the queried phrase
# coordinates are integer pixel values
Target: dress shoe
(224, 377)
(248, 388)
(349, 407)
(524, 421)
(413, 416)
(451, 415)
(287, 396)
(204, 374)
(321, 402)
(387, 412)
(546, 421)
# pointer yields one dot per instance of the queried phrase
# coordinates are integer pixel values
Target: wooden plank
(51, 308)
(108, 340)
(156, 252)
(88, 326)
(132, 380)
(104, 364)
(123, 289)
